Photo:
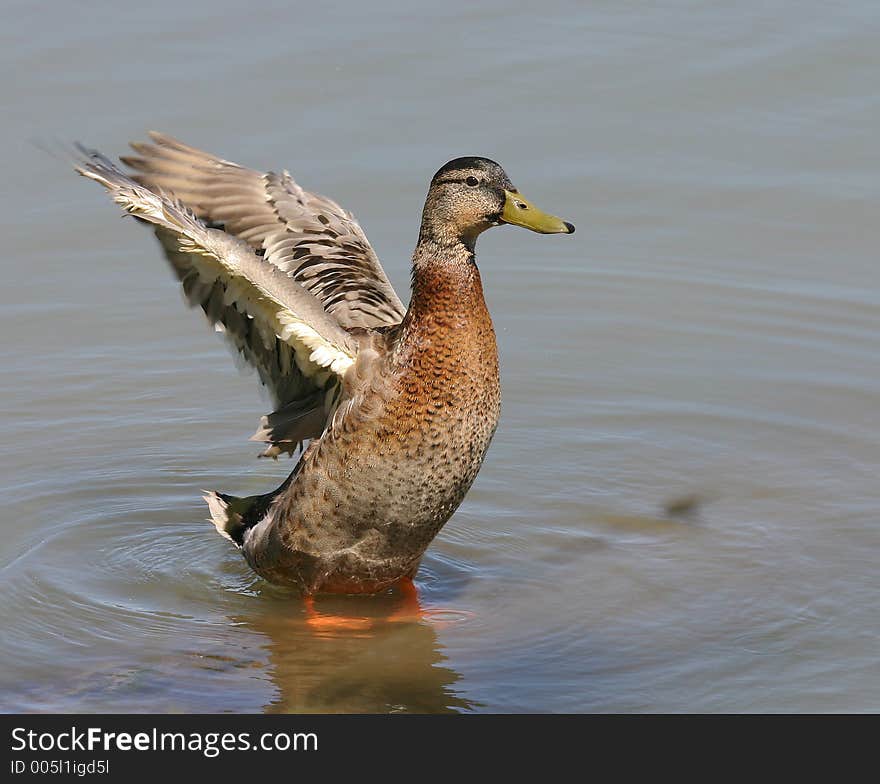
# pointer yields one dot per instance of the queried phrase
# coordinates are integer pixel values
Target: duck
(389, 410)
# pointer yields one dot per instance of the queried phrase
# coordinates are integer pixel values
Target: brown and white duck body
(398, 406)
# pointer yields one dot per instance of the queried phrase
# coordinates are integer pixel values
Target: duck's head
(469, 195)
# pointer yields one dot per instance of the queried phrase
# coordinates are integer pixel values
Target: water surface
(679, 511)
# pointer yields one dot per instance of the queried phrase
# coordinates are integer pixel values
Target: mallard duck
(397, 405)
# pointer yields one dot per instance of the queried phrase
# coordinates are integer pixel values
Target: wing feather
(309, 237)
(300, 350)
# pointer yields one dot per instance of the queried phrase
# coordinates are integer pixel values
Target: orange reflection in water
(404, 607)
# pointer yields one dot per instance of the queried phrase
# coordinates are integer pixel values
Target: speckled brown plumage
(400, 412)
(401, 455)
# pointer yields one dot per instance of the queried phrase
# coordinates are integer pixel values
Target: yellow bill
(518, 211)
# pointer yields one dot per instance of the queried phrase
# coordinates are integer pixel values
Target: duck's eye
(472, 181)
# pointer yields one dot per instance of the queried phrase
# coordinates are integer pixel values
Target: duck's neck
(447, 305)
(446, 283)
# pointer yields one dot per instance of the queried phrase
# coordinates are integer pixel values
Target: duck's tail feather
(230, 514)
(233, 517)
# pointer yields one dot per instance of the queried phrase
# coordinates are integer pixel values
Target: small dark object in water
(683, 505)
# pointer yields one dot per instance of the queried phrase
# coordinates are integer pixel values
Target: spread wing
(307, 236)
(300, 350)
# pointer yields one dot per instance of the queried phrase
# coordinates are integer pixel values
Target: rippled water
(680, 509)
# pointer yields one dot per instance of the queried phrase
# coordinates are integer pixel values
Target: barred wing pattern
(300, 350)
(307, 236)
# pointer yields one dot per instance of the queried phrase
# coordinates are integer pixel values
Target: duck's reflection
(356, 654)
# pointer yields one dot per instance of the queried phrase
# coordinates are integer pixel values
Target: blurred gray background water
(680, 509)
